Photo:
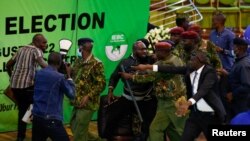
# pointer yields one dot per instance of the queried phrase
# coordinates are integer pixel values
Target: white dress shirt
(201, 104)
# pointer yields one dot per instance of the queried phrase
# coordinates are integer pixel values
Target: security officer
(167, 88)
(90, 82)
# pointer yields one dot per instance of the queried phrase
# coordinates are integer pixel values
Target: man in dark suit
(238, 79)
(203, 98)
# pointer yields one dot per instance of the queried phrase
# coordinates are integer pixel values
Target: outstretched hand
(142, 67)
(126, 75)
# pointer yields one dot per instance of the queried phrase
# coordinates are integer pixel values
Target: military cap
(189, 35)
(196, 28)
(82, 41)
(168, 41)
(163, 45)
(176, 30)
(240, 41)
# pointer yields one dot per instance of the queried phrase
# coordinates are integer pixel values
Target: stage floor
(11, 136)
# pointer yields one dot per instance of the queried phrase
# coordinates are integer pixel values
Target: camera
(62, 68)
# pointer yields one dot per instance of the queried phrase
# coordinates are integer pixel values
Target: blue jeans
(44, 128)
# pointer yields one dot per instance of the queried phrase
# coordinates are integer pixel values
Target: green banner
(113, 25)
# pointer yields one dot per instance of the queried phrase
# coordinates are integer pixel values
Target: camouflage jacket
(89, 80)
(166, 86)
(179, 51)
(205, 46)
(210, 49)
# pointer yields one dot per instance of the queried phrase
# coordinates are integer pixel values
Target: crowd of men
(187, 84)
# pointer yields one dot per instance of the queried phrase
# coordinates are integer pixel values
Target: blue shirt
(224, 40)
(49, 89)
(241, 119)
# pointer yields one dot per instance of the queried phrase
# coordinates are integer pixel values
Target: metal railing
(164, 13)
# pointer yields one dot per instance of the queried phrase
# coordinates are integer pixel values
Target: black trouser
(124, 107)
(223, 90)
(198, 122)
(24, 98)
(148, 111)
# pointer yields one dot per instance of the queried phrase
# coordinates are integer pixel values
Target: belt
(144, 93)
(205, 113)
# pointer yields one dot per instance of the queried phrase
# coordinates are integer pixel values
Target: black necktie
(195, 75)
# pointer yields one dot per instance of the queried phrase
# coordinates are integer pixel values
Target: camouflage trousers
(166, 121)
(80, 124)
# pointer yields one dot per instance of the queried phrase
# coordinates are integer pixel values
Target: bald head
(138, 44)
(37, 37)
(139, 49)
(40, 41)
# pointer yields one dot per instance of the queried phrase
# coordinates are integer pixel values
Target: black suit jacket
(207, 87)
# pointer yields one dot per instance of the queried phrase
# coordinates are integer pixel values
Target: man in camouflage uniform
(189, 44)
(167, 88)
(192, 42)
(208, 47)
(175, 37)
(90, 82)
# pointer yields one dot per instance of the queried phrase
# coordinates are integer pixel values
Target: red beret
(163, 45)
(189, 35)
(176, 30)
(196, 28)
